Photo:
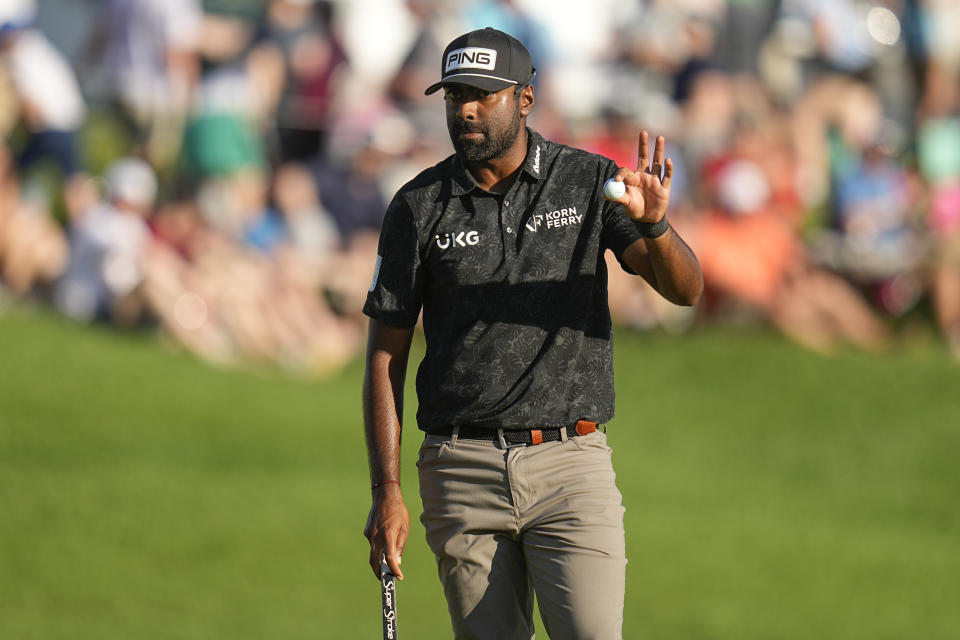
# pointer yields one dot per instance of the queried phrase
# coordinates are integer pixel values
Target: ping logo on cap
(471, 58)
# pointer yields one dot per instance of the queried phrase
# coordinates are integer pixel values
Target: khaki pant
(507, 522)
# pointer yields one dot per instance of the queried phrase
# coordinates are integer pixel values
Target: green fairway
(771, 493)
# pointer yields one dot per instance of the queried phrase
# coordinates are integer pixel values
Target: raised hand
(647, 194)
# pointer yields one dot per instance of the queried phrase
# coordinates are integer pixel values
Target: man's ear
(526, 100)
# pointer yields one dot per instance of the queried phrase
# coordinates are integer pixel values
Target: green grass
(770, 492)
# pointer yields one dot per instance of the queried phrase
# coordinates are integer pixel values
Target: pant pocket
(592, 441)
(431, 451)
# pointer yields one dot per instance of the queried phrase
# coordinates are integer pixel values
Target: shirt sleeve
(618, 232)
(395, 294)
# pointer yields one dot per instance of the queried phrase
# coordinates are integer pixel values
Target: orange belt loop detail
(585, 426)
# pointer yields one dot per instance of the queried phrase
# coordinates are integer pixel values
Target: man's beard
(489, 146)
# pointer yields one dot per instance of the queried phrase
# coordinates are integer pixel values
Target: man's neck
(498, 175)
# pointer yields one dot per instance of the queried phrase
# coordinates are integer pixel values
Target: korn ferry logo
(457, 239)
(471, 58)
(566, 217)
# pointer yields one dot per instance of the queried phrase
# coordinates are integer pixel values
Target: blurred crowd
(218, 169)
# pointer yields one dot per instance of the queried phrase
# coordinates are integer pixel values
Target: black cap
(486, 59)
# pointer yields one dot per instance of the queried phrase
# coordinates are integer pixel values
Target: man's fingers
(392, 553)
(400, 544)
(393, 558)
(643, 155)
(375, 561)
(393, 561)
(389, 543)
(667, 173)
(657, 167)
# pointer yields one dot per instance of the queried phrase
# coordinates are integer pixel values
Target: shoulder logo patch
(376, 273)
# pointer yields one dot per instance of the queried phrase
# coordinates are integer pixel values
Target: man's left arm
(669, 265)
(660, 256)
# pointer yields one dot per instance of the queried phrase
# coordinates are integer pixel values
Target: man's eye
(459, 95)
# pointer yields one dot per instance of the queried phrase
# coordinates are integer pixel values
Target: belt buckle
(508, 445)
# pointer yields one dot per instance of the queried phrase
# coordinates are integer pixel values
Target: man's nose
(467, 110)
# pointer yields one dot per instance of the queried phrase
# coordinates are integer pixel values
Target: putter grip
(388, 593)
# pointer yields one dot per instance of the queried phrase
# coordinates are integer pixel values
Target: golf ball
(614, 190)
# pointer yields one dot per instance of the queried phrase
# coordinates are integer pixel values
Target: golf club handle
(388, 593)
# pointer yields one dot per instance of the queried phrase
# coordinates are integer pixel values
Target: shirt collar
(464, 182)
(536, 155)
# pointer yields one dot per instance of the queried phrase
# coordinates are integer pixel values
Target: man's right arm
(388, 524)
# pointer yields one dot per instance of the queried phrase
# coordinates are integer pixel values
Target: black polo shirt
(513, 289)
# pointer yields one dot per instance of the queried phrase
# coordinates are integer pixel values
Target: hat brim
(487, 83)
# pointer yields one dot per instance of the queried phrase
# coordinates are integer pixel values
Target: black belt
(521, 436)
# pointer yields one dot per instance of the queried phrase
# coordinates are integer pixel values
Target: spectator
(747, 24)
(351, 193)
(512, 18)
(229, 304)
(311, 229)
(243, 81)
(225, 159)
(150, 56)
(838, 32)
(107, 242)
(45, 86)
(434, 28)
(314, 60)
(751, 254)
(311, 251)
(872, 237)
(938, 151)
(33, 248)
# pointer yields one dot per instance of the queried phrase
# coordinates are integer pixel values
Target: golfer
(502, 246)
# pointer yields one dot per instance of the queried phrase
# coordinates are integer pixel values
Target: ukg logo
(457, 239)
